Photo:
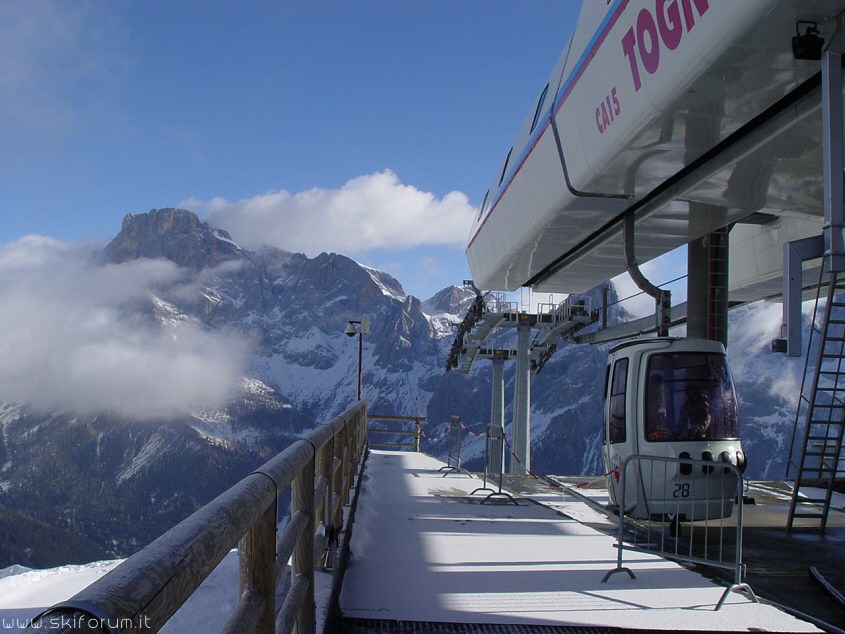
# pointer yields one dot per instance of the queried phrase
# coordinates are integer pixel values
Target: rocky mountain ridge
(114, 484)
(102, 486)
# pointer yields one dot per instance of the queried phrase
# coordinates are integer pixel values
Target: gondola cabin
(671, 398)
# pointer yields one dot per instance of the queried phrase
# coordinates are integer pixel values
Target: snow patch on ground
(443, 324)
(9, 413)
(24, 592)
(375, 274)
(153, 447)
(223, 238)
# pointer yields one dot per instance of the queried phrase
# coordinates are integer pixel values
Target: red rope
(469, 431)
(552, 485)
(616, 474)
(434, 440)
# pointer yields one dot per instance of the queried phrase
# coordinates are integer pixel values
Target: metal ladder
(717, 285)
(824, 407)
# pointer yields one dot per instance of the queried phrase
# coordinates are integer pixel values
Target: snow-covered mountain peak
(454, 300)
(388, 284)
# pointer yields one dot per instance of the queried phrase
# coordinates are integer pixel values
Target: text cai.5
(608, 110)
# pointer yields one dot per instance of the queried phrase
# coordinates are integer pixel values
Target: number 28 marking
(681, 490)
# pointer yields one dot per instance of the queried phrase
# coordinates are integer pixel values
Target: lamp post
(359, 328)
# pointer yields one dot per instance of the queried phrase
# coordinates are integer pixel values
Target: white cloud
(637, 303)
(430, 265)
(368, 212)
(659, 271)
(75, 337)
(751, 331)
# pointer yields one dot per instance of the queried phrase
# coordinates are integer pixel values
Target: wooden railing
(416, 432)
(143, 592)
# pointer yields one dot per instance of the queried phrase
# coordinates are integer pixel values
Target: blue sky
(307, 124)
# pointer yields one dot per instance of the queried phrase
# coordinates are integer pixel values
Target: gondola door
(619, 438)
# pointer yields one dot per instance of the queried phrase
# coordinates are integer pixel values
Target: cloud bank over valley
(83, 336)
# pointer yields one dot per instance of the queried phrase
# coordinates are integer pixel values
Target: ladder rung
(815, 516)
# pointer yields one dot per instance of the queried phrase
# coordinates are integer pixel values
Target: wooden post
(344, 438)
(362, 440)
(302, 499)
(149, 587)
(322, 507)
(257, 562)
(321, 471)
(330, 492)
(337, 480)
(349, 462)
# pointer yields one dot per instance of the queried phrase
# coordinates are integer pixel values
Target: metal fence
(453, 459)
(143, 592)
(671, 489)
(494, 463)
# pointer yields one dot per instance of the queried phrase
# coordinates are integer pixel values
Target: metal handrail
(646, 494)
(143, 592)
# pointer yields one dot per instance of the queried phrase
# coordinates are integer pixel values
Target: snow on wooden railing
(142, 593)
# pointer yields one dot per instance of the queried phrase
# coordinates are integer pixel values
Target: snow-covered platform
(425, 550)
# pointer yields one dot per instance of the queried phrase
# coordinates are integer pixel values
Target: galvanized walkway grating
(377, 626)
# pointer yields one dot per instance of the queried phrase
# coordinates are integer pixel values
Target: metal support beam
(707, 287)
(697, 274)
(662, 299)
(605, 290)
(832, 154)
(522, 403)
(497, 409)
(795, 253)
(718, 287)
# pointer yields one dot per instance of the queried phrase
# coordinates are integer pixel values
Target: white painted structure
(690, 114)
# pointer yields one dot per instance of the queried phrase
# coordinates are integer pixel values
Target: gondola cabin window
(690, 396)
(618, 384)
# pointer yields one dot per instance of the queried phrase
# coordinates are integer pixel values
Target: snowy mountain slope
(567, 401)
(111, 482)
